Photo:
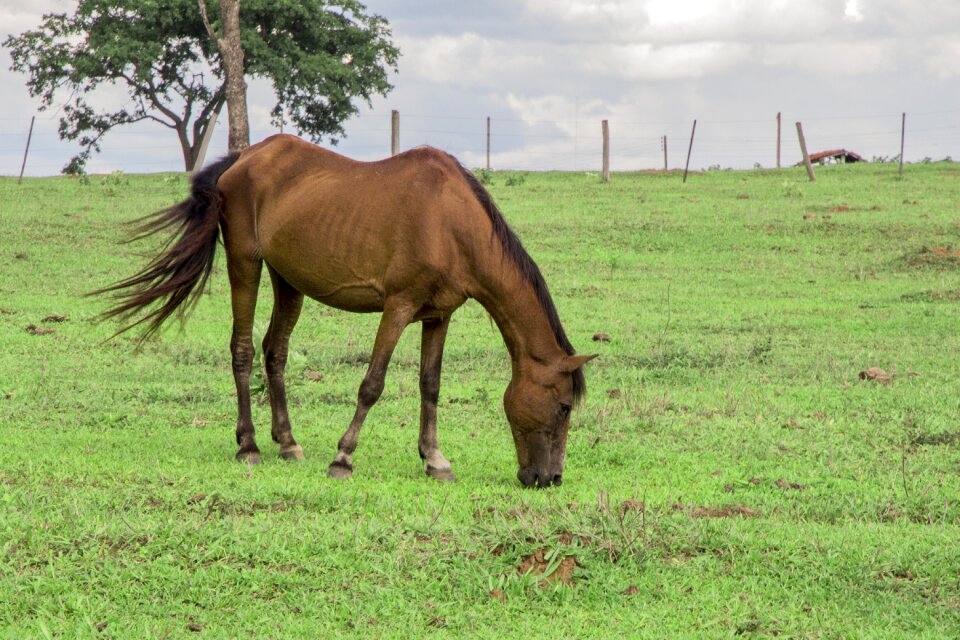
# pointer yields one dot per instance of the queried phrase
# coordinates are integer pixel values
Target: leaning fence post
(394, 132)
(778, 139)
(806, 156)
(488, 143)
(686, 168)
(903, 133)
(606, 151)
(26, 150)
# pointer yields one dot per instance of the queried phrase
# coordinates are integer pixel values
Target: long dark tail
(174, 279)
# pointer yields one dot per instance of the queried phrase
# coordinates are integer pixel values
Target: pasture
(729, 473)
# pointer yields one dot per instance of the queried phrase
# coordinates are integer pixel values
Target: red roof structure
(839, 156)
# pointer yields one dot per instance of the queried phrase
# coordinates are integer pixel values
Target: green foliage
(484, 176)
(516, 179)
(320, 57)
(729, 474)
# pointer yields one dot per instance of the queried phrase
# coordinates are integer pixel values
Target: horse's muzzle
(531, 478)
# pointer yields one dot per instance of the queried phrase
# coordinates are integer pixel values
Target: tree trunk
(232, 55)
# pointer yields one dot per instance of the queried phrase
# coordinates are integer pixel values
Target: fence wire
(528, 143)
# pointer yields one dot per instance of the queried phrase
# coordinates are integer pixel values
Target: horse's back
(348, 233)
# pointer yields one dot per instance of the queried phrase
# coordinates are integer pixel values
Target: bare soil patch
(34, 330)
(726, 511)
(876, 374)
(936, 257)
(945, 438)
(537, 563)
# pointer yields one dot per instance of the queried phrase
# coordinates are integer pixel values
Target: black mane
(515, 252)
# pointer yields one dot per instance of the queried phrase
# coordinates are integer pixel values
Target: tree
(319, 56)
(231, 53)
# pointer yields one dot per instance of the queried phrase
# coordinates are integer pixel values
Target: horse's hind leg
(431, 358)
(287, 303)
(244, 282)
(395, 318)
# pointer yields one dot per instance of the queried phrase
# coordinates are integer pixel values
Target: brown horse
(412, 237)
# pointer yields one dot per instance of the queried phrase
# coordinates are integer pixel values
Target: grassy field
(729, 474)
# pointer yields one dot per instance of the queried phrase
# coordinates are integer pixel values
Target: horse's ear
(572, 363)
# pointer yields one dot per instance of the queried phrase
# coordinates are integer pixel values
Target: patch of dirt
(498, 594)
(196, 628)
(876, 374)
(743, 196)
(601, 337)
(313, 375)
(615, 393)
(783, 484)
(901, 573)
(632, 590)
(632, 505)
(34, 330)
(809, 216)
(947, 437)
(197, 499)
(932, 295)
(946, 252)
(726, 511)
(21, 256)
(56, 318)
(536, 563)
(6, 312)
(937, 257)
(891, 514)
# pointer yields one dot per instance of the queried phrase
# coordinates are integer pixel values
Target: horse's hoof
(250, 457)
(446, 475)
(292, 452)
(339, 471)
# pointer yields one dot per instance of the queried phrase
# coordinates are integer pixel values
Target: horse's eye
(565, 408)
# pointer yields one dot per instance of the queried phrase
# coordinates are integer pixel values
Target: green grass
(729, 473)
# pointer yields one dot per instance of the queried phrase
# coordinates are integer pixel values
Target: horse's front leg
(431, 359)
(396, 316)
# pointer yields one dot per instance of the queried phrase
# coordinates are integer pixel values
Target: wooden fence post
(686, 168)
(666, 167)
(488, 143)
(778, 139)
(394, 132)
(806, 156)
(606, 151)
(26, 150)
(903, 133)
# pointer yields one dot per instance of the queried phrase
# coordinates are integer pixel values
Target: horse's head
(538, 402)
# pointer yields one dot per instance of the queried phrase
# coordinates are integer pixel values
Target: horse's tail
(175, 279)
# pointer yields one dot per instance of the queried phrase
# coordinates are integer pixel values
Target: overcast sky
(548, 71)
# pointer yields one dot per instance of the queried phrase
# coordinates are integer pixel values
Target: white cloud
(852, 11)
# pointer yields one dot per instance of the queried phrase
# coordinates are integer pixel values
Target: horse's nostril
(557, 480)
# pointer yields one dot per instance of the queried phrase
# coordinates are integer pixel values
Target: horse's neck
(513, 304)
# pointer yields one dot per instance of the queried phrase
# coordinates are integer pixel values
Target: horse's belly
(338, 288)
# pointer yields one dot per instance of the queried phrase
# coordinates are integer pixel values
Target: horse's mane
(514, 251)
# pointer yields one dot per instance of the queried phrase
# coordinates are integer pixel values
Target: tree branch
(206, 20)
(155, 100)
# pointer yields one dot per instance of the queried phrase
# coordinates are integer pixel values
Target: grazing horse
(412, 237)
